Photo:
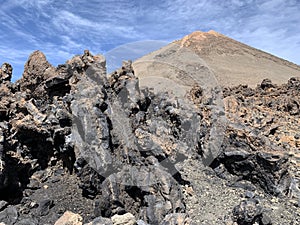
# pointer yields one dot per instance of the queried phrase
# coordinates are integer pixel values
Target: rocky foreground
(80, 147)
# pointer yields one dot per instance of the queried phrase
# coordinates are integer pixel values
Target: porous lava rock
(73, 138)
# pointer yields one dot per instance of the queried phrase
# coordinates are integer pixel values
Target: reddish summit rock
(36, 70)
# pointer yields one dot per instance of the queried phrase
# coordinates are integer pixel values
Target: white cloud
(272, 27)
(72, 20)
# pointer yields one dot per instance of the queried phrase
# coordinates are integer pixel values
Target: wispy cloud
(272, 25)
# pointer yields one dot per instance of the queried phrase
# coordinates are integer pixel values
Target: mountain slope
(232, 62)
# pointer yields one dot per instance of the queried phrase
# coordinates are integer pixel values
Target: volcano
(231, 62)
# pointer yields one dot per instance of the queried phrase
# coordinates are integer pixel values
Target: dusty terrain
(235, 63)
(232, 62)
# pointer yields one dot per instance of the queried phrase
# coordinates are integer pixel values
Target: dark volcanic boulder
(149, 194)
(248, 212)
(266, 83)
(90, 131)
(268, 170)
(260, 142)
(113, 163)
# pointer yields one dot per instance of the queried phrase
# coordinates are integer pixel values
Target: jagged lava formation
(80, 147)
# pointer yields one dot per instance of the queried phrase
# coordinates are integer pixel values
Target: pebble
(9, 215)
(69, 218)
(3, 204)
(126, 219)
(44, 207)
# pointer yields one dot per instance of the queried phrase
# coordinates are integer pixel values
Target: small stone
(190, 191)
(9, 215)
(27, 222)
(295, 202)
(274, 200)
(266, 220)
(141, 222)
(266, 83)
(247, 211)
(69, 218)
(33, 205)
(44, 207)
(101, 221)
(5, 72)
(34, 184)
(176, 219)
(126, 219)
(249, 194)
(3, 204)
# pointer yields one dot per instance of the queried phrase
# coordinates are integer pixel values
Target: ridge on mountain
(216, 40)
(231, 61)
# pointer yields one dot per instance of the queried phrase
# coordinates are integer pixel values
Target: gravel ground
(210, 200)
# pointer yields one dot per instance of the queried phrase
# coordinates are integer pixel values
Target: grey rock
(2, 159)
(125, 219)
(176, 219)
(44, 207)
(101, 221)
(33, 110)
(9, 215)
(141, 222)
(247, 212)
(267, 169)
(131, 196)
(3, 204)
(90, 125)
(266, 83)
(266, 220)
(249, 194)
(27, 222)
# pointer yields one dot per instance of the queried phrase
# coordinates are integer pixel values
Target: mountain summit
(231, 62)
(234, 62)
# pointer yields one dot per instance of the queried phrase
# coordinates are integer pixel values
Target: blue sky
(63, 28)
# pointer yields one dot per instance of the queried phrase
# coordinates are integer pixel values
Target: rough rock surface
(125, 219)
(69, 218)
(74, 139)
(37, 69)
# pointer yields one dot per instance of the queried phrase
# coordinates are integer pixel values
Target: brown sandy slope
(232, 62)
